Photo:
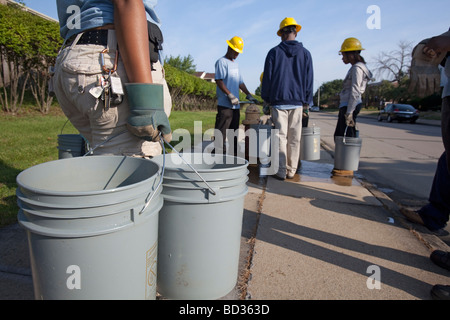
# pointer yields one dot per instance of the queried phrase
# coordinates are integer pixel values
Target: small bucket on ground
(200, 225)
(310, 144)
(70, 146)
(347, 152)
(92, 232)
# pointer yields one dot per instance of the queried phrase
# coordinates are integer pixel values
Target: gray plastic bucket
(70, 145)
(310, 144)
(199, 232)
(346, 153)
(87, 233)
(263, 132)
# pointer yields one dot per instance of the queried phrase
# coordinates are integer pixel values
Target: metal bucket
(347, 152)
(70, 145)
(310, 144)
(89, 235)
(199, 231)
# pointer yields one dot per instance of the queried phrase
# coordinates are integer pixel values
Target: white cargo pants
(289, 124)
(78, 69)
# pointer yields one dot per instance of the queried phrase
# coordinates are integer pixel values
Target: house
(210, 77)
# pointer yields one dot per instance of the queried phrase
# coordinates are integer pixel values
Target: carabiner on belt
(102, 61)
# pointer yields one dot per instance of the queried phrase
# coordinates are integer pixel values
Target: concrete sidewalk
(325, 238)
(312, 237)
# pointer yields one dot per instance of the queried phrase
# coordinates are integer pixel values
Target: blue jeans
(341, 123)
(435, 214)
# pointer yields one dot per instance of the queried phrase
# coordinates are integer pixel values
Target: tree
(45, 45)
(329, 93)
(394, 64)
(28, 46)
(14, 44)
(185, 64)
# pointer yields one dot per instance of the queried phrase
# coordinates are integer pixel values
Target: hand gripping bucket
(200, 225)
(347, 151)
(92, 232)
(310, 144)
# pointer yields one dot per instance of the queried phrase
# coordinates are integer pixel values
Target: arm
(310, 81)
(437, 46)
(222, 86)
(234, 100)
(244, 89)
(355, 95)
(130, 23)
(145, 100)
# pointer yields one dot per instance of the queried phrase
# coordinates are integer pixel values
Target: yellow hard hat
(236, 43)
(288, 22)
(351, 44)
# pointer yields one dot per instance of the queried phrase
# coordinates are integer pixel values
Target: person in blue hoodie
(287, 85)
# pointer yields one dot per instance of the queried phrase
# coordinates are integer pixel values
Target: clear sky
(201, 27)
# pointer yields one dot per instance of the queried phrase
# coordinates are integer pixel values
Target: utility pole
(318, 97)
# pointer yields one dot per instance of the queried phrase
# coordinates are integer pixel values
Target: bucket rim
(186, 168)
(37, 190)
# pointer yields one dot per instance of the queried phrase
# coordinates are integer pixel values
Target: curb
(430, 240)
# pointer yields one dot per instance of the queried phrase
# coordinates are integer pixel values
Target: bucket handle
(162, 141)
(160, 179)
(84, 139)
(209, 187)
(64, 125)
(345, 134)
(91, 150)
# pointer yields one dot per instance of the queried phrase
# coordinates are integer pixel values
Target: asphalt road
(399, 158)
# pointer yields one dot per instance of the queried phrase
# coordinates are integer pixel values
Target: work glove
(249, 97)
(306, 110)
(266, 108)
(349, 120)
(233, 99)
(424, 73)
(147, 117)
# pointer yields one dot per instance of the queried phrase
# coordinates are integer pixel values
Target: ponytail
(357, 56)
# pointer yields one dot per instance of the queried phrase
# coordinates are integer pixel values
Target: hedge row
(188, 84)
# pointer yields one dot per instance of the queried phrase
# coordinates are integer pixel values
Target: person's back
(291, 74)
(287, 85)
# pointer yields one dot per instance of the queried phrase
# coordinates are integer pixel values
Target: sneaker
(290, 175)
(279, 177)
(440, 292)
(441, 258)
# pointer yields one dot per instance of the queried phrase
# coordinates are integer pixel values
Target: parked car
(314, 108)
(399, 112)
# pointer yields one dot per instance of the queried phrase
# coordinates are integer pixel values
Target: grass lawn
(31, 138)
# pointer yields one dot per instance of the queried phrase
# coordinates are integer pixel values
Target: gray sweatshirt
(354, 85)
